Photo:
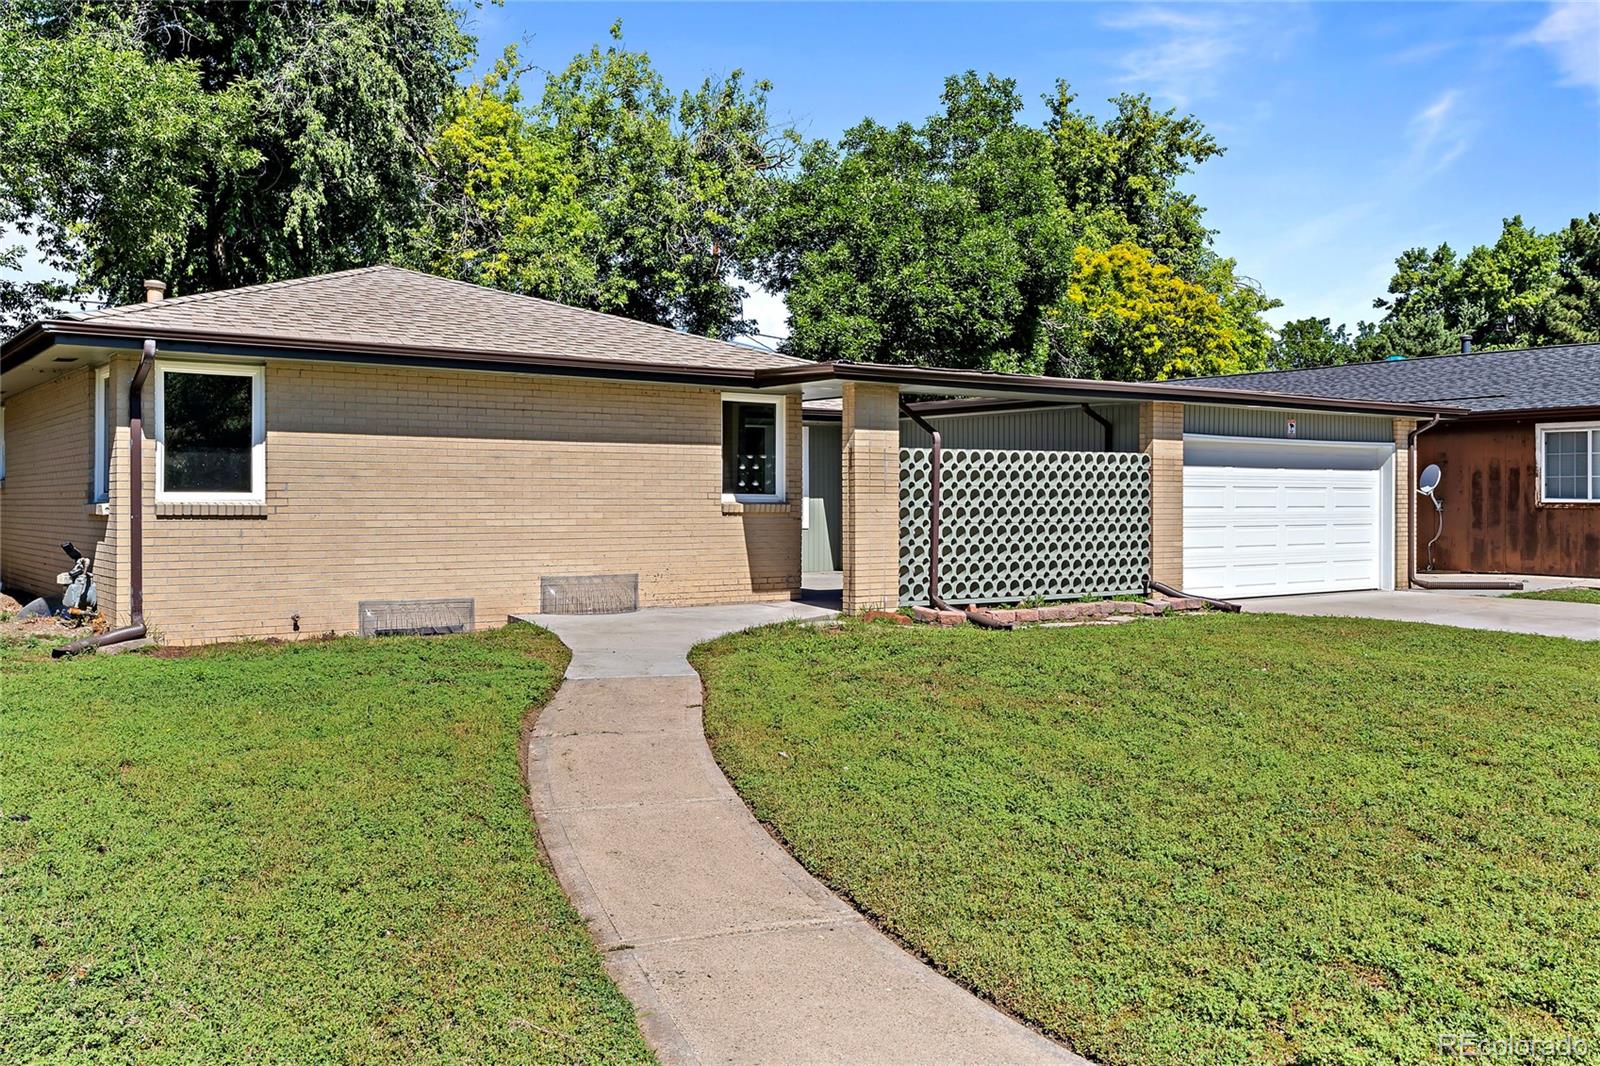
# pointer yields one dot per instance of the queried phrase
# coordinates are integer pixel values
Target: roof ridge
(608, 315)
(122, 310)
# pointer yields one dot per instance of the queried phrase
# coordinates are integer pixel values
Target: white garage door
(1273, 531)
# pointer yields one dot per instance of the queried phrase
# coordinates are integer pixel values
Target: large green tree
(978, 240)
(609, 190)
(1572, 313)
(1311, 342)
(1524, 290)
(219, 144)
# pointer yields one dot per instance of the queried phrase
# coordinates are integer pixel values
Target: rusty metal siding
(1273, 423)
(1493, 520)
(1055, 428)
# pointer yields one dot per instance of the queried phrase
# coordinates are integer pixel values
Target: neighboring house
(1521, 468)
(322, 454)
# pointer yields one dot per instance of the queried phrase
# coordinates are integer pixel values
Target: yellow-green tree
(1128, 317)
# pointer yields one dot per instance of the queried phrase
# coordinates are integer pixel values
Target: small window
(210, 433)
(752, 449)
(1569, 462)
(104, 409)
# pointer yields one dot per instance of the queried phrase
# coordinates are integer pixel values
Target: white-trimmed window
(104, 408)
(752, 448)
(211, 440)
(1569, 462)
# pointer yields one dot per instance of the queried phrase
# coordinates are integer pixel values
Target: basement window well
(210, 433)
(752, 449)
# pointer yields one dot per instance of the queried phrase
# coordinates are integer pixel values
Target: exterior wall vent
(414, 618)
(589, 594)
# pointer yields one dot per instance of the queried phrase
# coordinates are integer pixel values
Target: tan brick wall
(1403, 500)
(1161, 438)
(871, 496)
(45, 497)
(412, 484)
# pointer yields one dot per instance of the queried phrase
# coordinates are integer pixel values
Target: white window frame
(258, 432)
(102, 475)
(1540, 431)
(780, 468)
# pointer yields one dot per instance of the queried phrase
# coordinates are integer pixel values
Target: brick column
(1161, 438)
(1403, 501)
(870, 473)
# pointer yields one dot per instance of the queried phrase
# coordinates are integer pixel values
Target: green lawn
(315, 852)
(1566, 595)
(1221, 839)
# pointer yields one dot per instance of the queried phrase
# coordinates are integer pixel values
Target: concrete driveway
(1468, 610)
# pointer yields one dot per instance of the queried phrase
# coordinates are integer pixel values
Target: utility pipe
(935, 509)
(1411, 503)
(136, 627)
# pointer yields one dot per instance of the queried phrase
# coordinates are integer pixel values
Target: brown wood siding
(1493, 521)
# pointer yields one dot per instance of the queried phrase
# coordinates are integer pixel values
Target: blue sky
(1353, 130)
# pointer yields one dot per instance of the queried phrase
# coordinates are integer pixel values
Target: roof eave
(1080, 389)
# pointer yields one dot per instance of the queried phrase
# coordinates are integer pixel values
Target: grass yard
(1221, 839)
(1566, 595)
(314, 852)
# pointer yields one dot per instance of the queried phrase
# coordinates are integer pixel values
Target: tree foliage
(217, 145)
(1311, 342)
(1524, 290)
(503, 207)
(1131, 318)
(609, 191)
(978, 240)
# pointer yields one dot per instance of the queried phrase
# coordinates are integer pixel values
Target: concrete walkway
(1548, 618)
(729, 950)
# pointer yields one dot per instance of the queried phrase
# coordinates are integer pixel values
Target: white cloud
(1186, 51)
(1570, 32)
(1440, 133)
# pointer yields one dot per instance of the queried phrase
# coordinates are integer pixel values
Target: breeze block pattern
(1023, 525)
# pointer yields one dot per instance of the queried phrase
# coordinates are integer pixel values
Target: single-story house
(1520, 483)
(380, 450)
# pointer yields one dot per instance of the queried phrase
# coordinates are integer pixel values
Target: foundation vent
(414, 618)
(589, 594)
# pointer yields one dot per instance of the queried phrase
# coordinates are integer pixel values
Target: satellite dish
(1429, 480)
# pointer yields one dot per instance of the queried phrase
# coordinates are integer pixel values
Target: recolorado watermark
(1478, 1046)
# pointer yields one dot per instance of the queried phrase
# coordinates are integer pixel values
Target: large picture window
(1569, 462)
(752, 449)
(210, 433)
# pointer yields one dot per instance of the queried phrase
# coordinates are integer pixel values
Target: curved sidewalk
(728, 949)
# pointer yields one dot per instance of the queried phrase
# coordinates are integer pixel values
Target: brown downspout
(136, 628)
(1105, 424)
(935, 508)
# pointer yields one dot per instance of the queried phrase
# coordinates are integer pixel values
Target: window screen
(749, 449)
(207, 428)
(1569, 465)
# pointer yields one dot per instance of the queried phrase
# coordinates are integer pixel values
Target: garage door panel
(1261, 531)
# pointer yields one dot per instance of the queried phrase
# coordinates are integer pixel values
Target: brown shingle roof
(388, 305)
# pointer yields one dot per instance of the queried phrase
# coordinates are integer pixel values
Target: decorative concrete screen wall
(1023, 525)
